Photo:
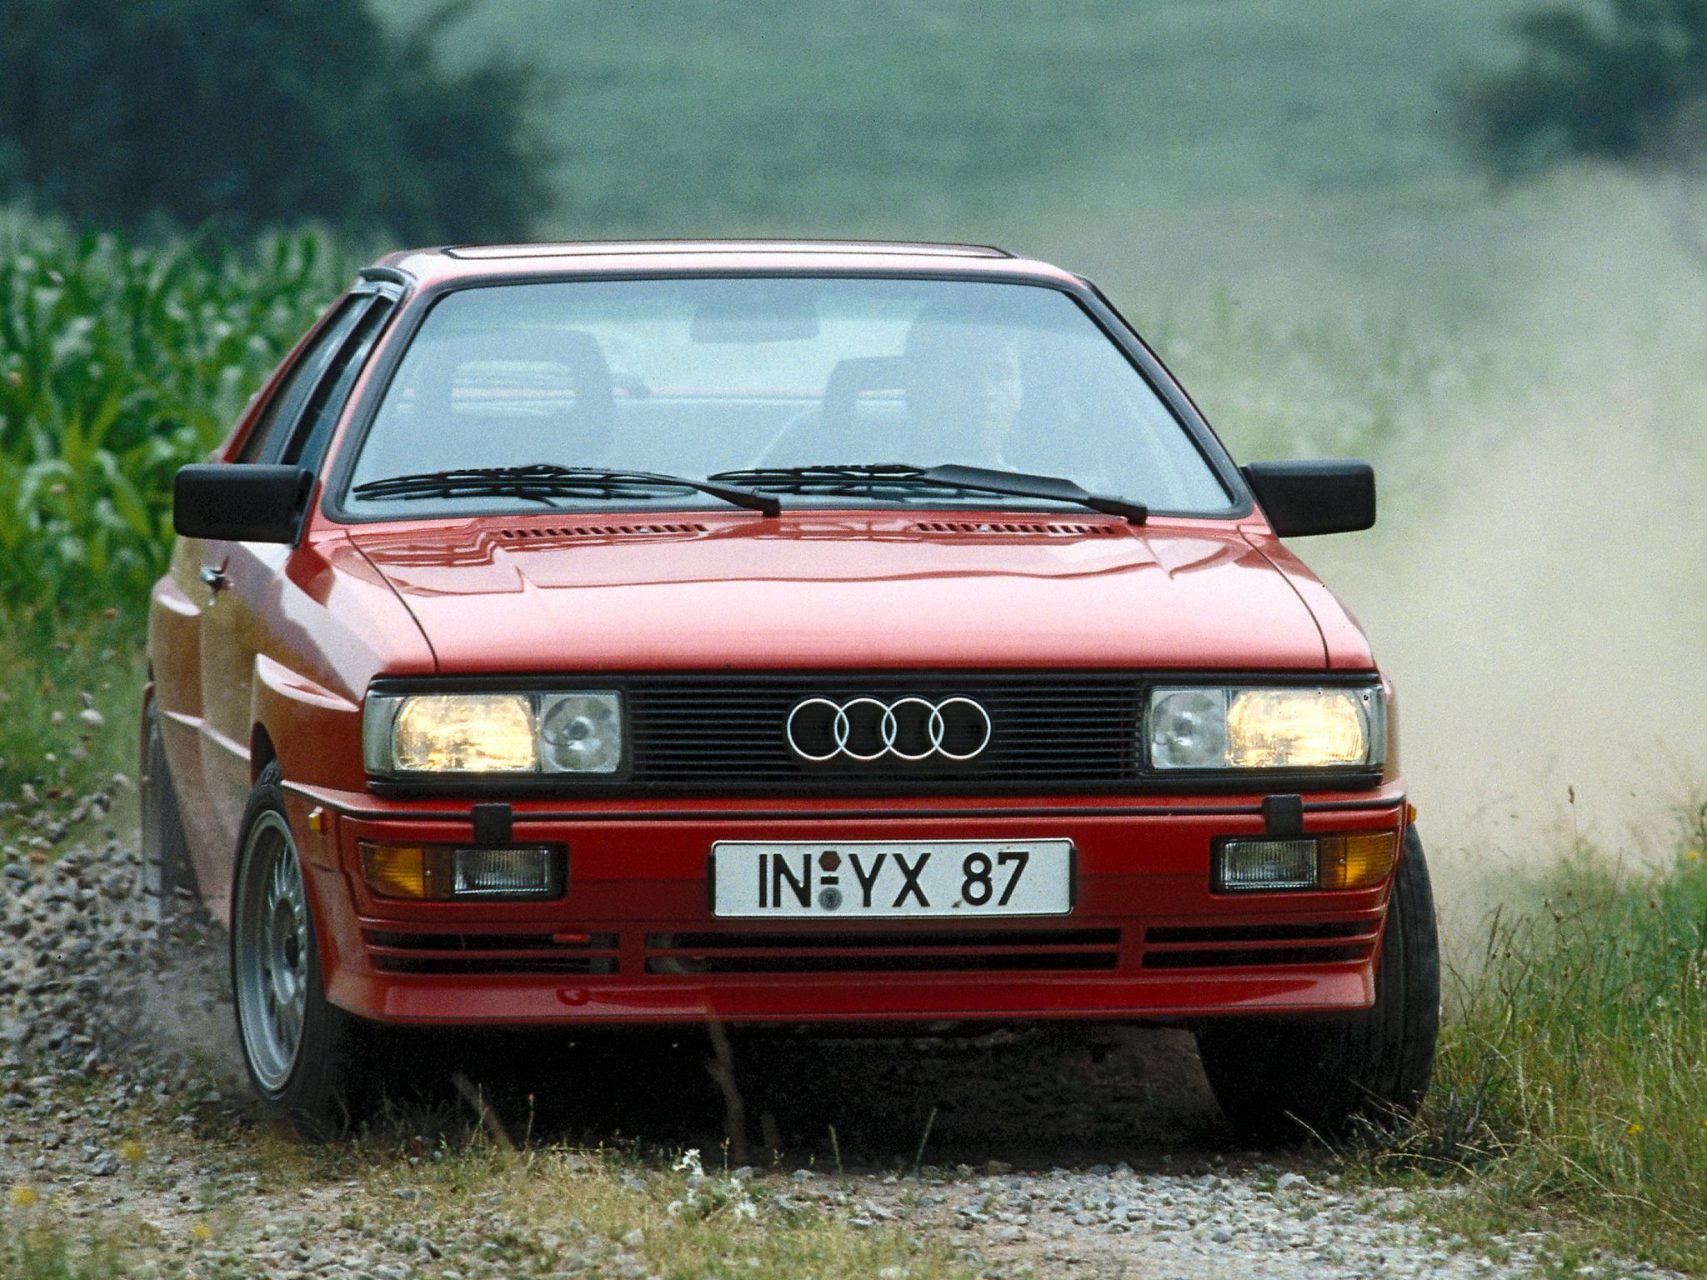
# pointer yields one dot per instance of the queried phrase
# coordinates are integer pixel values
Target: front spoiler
(638, 884)
(492, 1002)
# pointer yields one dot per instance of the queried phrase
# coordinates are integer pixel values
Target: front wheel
(1285, 1080)
(301, 1052)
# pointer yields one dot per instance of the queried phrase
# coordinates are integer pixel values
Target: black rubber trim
(494, 823)
(679, 245)
(1283, 816)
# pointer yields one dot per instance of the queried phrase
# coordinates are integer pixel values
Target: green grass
(48, 1253)
(69, 710)
(690, 1222)
(1572, 1079)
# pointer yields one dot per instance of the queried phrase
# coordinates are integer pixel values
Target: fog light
(1359, 861)
(435, 873)
(529, 872)
(1245, 865)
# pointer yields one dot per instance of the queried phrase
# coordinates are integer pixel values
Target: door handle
(214, 579)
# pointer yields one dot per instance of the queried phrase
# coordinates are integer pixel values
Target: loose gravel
(123, 1115)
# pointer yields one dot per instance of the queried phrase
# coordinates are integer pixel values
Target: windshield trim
(334, 505)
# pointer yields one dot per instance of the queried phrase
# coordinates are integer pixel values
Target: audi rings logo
(867, 729)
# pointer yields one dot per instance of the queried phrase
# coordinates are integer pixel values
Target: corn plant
(118, 364)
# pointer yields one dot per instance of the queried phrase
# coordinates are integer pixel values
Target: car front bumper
(634, 941)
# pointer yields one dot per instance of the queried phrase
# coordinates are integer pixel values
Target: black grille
(492, 953)
(728, 733)
(536, 532)
(902, 951)
(1021, 528)
(1259, 946)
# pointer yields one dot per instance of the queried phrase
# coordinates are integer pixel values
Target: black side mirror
(1328, 495)
(240, 502)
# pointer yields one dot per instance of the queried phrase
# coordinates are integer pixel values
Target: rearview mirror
(1326, 495)
(752, 311)
(240, 502)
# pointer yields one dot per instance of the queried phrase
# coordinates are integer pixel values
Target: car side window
(268, 436)
(307, 444)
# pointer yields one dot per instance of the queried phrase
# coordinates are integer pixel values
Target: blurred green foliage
(117, 365)
(947, 118)
(69, 709)
(1369, 383)
(255, 113)
(1620, 81)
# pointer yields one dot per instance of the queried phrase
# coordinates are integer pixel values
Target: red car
(813, 633)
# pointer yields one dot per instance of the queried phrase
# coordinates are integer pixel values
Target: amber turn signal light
(406, 871)
(1356, 862)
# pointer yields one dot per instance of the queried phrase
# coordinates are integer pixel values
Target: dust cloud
(1537, 587)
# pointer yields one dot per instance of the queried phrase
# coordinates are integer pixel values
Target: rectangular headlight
(1220, 727)
(464, 733)
(578, 732)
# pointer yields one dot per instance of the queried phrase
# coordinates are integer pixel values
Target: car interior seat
(510, 397)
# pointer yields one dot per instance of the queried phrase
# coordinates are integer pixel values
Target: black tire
(305, 1057)
(1286, 1081)
(164, 870)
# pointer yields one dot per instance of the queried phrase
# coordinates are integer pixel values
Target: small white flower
(689, 1163)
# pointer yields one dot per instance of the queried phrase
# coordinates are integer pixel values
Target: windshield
(692, 378)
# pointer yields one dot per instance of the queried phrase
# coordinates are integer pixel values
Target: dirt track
(1060, 1154)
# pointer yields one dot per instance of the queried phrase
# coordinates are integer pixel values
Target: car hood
(844, 592)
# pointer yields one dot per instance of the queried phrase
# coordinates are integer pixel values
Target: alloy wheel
(270, 951)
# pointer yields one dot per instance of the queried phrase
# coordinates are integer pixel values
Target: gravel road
(121, 1112)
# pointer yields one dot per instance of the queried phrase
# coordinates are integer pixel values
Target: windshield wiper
(867, 478)
(827, 477)
(542, 482)
(1021, 484)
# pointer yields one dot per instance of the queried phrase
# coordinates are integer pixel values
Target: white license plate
(958, 878)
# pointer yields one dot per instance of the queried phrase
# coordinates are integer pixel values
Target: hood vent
(537, 533)
(1019, 528)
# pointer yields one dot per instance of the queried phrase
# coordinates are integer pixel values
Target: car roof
(453, 263)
